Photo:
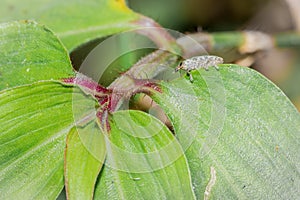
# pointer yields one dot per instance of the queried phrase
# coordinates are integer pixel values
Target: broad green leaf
(30, 52)
(240, 134)
(81, 167)
(144, 161)
(34, 122)
(75, 22)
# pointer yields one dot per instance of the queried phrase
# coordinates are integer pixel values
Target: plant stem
(245, 42)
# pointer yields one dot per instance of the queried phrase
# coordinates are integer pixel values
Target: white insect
(199, 62)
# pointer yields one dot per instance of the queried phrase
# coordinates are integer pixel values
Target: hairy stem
(244, 42)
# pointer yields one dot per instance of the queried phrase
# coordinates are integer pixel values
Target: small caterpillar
(199, 62)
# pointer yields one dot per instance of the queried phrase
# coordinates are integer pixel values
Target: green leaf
(81, 167)
(240, 134)
(34, 122)
(144, 161)
(29, 53)
(75, 22)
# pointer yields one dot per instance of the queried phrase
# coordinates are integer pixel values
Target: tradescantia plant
(233, 134)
